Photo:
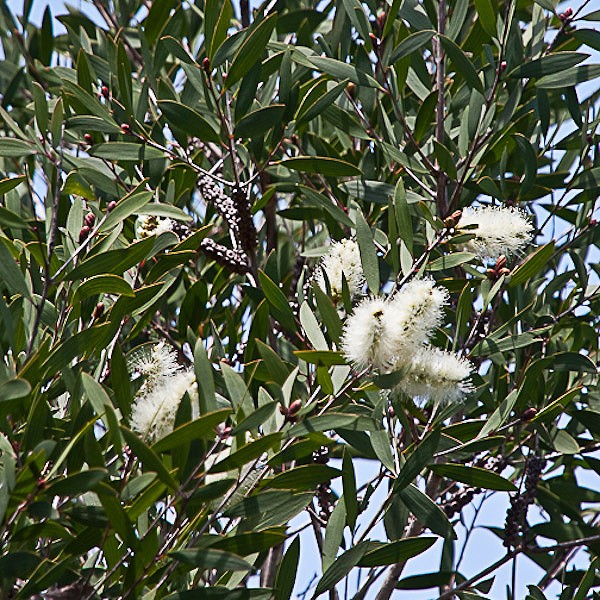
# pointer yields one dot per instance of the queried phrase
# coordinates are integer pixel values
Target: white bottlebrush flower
(500, 230)
(412, 315)
(343, 258)
(365, 341)
(386, 333)
(153, 411)
(158, 363)
(148, 225)
(437, 376)
(165, 383)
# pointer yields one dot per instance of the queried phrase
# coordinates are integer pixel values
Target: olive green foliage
(311, 122)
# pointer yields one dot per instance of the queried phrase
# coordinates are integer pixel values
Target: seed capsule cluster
(324, 496)
(516, 514)
(236, 260)
(235, 210)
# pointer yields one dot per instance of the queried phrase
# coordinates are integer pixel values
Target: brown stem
(440, 77)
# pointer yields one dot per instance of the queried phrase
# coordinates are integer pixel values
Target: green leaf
(13, 148)
(259, 121)
(349, 488)
(587, 581)
(532, 264)
(411, 44)
(312, 328)
(570, 77)
(332, 421)
(249, 543)
(256, 418)
(462, 65)
(368, 255)
(321, 357)
(11, 276)
(78, 346)
(427, 511)
(221, 593)
(588, 179)
(199, 429)
(449, 261)
(18, 564)
(157, 19)
(308, 110)
(128, 205)
(104, 284)
(396, 552)
(148, 457)
(341, 567)
(304, 477)
(557, 62)
(287, 572)
(565, 443)
(204, 374)
(210, 558)
(415, 463)
(510, 343)
(251, 50)
(529, 160)
(113, 261)
(89, 123)
(217, 18)
(500, 415)
(277, 301)
(247, 453)
(9, 183)
(128, 151)
(329, 167)
(270, 502)
(76, 484)
(342, 70)
(474, 476)
(487, 16)
(12, 389)
(189, 121)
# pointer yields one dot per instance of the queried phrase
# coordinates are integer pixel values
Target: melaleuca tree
(253, 255)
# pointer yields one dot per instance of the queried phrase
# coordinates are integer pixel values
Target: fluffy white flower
(343, 258)
(148, 225)
(154, 365)
(165, 383)
(412, 315)
(500, 230)
(153, 411)
(437, 376)
(385, 333)
(365, 341)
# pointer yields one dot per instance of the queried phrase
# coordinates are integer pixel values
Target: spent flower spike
(498, 230)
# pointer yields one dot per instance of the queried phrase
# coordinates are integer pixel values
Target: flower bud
(98, 311)
(500, 262)
(206, 64)
(104, 91)
(88, 138)
(529, 414)
(126, 128)
(84, 234)
(294, 408)
(111, 206)
(502, 67)
(90, 219)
